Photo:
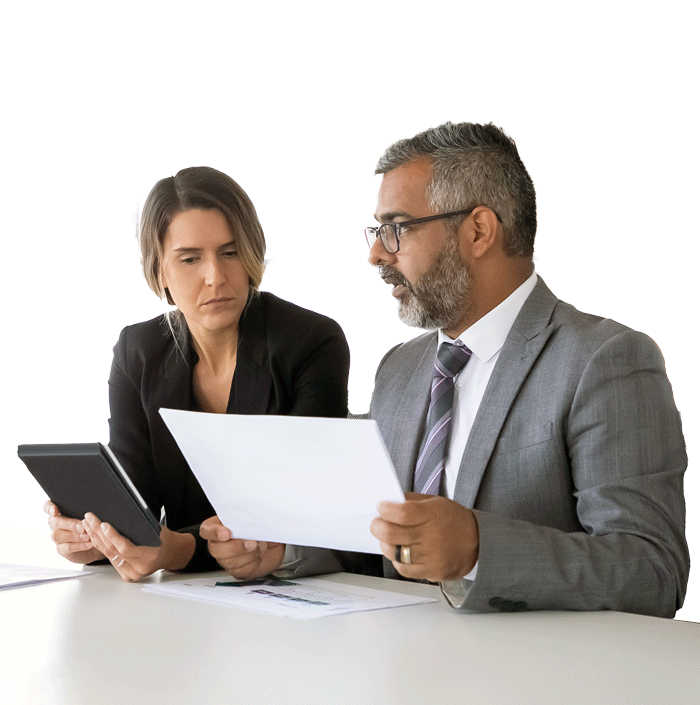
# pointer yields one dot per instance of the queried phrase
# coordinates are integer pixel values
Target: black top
(290, 361)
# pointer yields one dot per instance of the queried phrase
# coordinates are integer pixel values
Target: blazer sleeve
(627, 459)
(129, 429)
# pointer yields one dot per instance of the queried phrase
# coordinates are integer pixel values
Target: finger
(120, 543)
(409, 513)
(50, 508)
(224, 550)
(125, 570)
(63, 536)
(394, 534)
(242, 570)
(250, 545)
(99, 540)
(213, 530)
(76, 546)
(60, 523)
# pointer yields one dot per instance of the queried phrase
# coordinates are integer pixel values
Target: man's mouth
(399, 282)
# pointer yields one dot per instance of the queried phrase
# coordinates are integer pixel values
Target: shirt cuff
(290, 561)
(457, 591)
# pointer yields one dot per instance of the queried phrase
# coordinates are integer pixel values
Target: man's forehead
(402, 191)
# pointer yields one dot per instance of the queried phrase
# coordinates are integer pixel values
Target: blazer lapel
(252, 381)
(523, 345)
(411, 412)
(176, 391)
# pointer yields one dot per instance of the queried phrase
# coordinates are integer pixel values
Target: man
(540, 446)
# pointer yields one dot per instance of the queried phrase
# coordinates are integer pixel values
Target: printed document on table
(304, 598)
(291, 479)
(14, 576)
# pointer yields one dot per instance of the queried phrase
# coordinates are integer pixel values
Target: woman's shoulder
(289, 315)
(146, 341)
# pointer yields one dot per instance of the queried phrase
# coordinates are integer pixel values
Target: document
(13, 576)
(290, 479)
(304, 598)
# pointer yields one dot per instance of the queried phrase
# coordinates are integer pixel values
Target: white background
(297, 101)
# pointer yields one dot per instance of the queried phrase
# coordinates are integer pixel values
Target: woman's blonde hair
(194, 188)
(198, 187)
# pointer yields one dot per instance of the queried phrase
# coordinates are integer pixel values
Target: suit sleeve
(627, 459)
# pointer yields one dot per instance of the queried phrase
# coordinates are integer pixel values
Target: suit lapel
(521, 349)
(416, 390)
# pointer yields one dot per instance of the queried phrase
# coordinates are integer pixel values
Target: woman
(227, 348)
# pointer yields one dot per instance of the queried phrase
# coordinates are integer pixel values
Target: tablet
(87, 477)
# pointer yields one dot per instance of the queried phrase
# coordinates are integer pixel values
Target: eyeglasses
(390, 232)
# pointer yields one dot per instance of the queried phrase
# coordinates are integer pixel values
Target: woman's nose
(214, 274)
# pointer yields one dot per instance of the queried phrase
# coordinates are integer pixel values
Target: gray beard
(440, 298)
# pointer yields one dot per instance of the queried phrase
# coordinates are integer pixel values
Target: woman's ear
(164, 288)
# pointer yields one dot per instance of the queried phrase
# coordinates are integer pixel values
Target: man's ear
(485, 231)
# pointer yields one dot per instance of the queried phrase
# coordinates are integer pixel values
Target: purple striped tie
(450, 360)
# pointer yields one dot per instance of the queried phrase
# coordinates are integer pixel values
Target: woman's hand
(242, 558)
(72, 542)
(135, 562)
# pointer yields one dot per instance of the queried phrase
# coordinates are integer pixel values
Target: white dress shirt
(485, 339)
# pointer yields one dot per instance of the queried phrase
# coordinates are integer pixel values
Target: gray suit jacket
(574, 466)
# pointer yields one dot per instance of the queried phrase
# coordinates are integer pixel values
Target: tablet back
(86, 477)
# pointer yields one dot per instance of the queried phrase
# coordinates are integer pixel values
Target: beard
(441, 297)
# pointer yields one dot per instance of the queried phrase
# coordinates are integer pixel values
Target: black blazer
(290, 362)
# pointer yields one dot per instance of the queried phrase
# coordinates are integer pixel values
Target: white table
(98, 640)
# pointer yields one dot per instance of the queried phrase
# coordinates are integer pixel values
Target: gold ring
(402, 554)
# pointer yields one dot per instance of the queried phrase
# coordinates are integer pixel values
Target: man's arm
(627, 458)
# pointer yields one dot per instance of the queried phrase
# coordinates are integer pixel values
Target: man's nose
(378, 256)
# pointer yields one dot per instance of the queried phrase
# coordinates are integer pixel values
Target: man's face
(430, 281)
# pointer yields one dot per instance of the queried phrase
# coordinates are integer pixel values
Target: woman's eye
(230, 253)
(188, 260)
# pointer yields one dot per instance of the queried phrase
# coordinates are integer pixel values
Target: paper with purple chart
(292, 479)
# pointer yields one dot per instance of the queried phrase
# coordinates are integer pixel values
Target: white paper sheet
(292, 479)
(304, 598)
(14, 576)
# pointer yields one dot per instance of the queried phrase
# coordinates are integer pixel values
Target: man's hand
(443, 536)
(242, 558)
(135, 562)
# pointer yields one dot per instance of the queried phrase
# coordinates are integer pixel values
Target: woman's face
(202, 271)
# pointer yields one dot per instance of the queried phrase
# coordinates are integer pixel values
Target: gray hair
(474, 165)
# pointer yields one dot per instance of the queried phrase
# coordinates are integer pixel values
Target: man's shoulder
(404, 357)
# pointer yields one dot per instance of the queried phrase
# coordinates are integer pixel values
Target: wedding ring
(120, 564)
(402, 554)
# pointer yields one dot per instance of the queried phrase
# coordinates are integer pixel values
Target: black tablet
(87, 477)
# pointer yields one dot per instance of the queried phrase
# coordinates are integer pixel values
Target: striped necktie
(450, 360)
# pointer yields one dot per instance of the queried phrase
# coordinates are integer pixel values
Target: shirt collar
(486, 337)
